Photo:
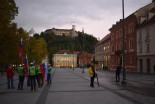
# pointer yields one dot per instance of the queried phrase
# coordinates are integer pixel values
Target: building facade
(116, 32)
(102, 53)
(67, 32)
(146, 39)
(65, 59)
(84, 57)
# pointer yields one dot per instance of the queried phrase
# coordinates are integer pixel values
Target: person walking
(93, 74)
(49, 74)
(21, 71)
(40, 79)
(118, 70)
(10, 74)
(32, 73)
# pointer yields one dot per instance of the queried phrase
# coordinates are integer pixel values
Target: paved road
(72, 87)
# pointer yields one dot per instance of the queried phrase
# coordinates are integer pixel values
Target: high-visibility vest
(21, 71)
(32, 70)
(38, 70)
(91, 72)
(49, 69)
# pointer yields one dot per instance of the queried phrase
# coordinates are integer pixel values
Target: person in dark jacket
(10, 74)
(118, 70)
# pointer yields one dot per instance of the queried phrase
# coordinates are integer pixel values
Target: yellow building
(65, 60)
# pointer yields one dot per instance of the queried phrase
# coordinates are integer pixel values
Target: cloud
(96, 16)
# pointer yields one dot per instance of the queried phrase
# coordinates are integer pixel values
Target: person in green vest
(21, 71)
(40, 79)
(49, 74)
(32, 74)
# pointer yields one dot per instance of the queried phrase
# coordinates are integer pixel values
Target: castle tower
(73, 27)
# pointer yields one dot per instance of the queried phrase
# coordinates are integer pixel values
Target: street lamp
(83, 48)
(124, 58)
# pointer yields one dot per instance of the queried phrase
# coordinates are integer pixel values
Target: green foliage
(57, 43)
(8, 11)
(10, 36)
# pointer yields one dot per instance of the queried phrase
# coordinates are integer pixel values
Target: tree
(37, 50)
(8, 11)
(8, 37)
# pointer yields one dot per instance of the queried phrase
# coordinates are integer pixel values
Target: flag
(44, 70)
(26, 67)
(21, 49)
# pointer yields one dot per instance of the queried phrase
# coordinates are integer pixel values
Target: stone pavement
(72, 87)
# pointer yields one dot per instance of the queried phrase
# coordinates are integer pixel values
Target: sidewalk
(72, 87)
(15, 96)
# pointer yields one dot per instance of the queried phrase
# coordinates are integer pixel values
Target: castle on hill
(67, 32)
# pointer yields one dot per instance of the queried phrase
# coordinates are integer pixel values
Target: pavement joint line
(83, 90)
(66, 78)
(115, 92)
(2, 93)
(43, 96)
(70, 82)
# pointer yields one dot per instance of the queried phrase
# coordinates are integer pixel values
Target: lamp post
(124, 58)
(83, 48)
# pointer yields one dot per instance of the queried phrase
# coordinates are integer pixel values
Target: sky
(94, 16)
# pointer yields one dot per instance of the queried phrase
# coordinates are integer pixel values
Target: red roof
(64, 51)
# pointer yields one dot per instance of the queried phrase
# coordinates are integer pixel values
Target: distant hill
(56, 43)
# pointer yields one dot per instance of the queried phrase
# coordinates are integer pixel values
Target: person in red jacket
(10, 74)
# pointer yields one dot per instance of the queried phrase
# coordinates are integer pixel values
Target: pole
(83, 48)
(124, 58)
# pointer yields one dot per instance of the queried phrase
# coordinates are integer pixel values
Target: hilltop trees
(57, 43)
(10, 36)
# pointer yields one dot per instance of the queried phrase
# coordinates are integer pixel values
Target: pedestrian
(32, 74)
(21, 71)
(10, 75)
(118, 70)
(49, 74)
(93, 74)
(40, 79)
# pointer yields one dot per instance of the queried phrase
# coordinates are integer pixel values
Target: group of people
(34, 74)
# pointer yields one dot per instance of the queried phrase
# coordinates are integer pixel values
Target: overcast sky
(96, 16)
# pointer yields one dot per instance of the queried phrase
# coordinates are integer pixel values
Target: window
(147, 33)
(112, 36)
(141, 65)
(139, 19)
(140, 34)
(140, 49)
(117, 46)
(117, 35)
(120, 33)
(130, 28)
(121, 46)
(112, 48)
(148, 47)
(108, 46)
(131, 43)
